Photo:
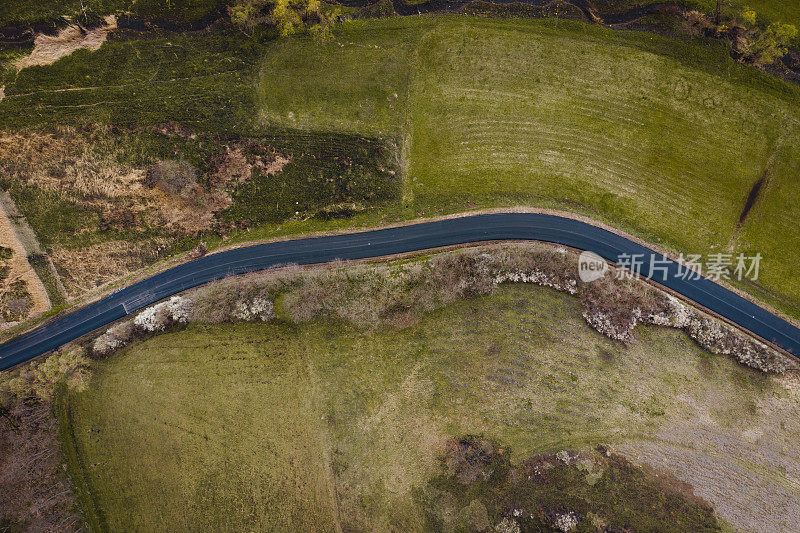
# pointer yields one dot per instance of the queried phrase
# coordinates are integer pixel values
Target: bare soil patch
(20, 277)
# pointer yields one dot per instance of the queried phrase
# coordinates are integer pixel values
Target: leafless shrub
(37, 496)
(397, 295)
(308, 301)
(613, 306)
(721, 339)
(463, 275)
(197, 252)
(696, 23)
(176, 178)
(524, 263)
(468, 458)
(15, 306)
(239, 298)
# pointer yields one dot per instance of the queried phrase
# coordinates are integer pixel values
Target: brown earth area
(20, 269)
(751, 472)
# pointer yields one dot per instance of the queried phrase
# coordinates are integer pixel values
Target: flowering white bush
(675, 314)
(538, 277)
(566, 522)
(114, 338)
(258, 308)
(371, 296)
(721, 339)
(159, 316)
(507, 525)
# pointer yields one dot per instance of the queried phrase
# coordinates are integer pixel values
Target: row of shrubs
(614, 307)
(397, 295)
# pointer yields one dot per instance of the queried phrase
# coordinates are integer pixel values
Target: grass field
(243, 427)
(661, 138)
(237, 439)
(625, 134)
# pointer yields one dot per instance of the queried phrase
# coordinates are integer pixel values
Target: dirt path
(324, 445)
(21, 268)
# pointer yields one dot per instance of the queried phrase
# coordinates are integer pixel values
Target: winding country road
(390, 241)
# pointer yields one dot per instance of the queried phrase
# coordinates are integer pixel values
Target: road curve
(397, 240)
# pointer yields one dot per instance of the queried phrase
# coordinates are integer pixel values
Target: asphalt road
(382, 242)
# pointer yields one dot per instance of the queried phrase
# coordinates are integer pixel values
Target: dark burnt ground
(635, 14)
(444, 6)
(478, 487)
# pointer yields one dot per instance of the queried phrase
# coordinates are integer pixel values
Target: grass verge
(75, 464)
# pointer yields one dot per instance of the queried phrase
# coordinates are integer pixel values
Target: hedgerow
(397, 295)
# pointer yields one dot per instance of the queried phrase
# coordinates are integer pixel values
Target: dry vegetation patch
(88, 167)
(134, 209)
(84, 269)
(235, 166)
(84, 167)
(48, 49)
(399, 294)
